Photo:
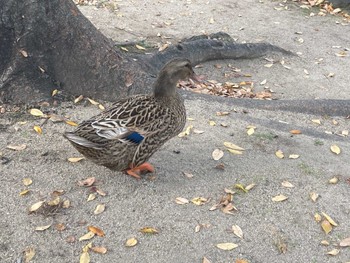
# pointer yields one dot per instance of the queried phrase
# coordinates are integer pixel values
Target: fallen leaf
(237, 231)
(100, 250)
(314, 196)
(181, 200)
(241, 187)
(279, 198)
(24, 192)
(19, 147)
(325, 243)
(96, 231)
(263, 82)
(36, 112)
(60, 227)
(75, 159)
(27, 181)
(334, 180)
(101, 107)
(250, 187)
(54, 92)
(212, 123)
(99, 209)
(66, 204)
(91, 197)
(43, 228)
(234, 151)
(131, 242)
(279, 154)
(345, 132)
(333, 252)
(345, 242)
(241, 261)
(71, 123)
(149, 230)
(38, 129)
(268, 65)
(188, 175)
(326, 226)
(293, 156)
(317, 121)
(287, 184)
(217, 154)
(87, 236)
(54, 202)
(226, 246)
(250, 131)
(199, 200)
(140, 47)
(29, 254)
(233, 146)
(335, 149)
(24, 53)
(197, 131)
(186, 132)
(92, 101)
(84, 257)
(87, 182)
(329, 219)
(76, 100)
(124, 48)
(222, 113)
(295, 131)
(100, 192)
(36, 206)
(317, 217)
(205, 260)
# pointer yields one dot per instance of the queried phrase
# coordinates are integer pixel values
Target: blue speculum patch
(135, 137)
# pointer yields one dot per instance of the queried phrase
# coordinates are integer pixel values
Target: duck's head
(175, 70)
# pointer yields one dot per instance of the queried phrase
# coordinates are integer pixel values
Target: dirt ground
(272, 231)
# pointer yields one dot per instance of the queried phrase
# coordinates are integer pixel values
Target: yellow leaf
(186, 132)
(226, 246)
(279, 154)
(190, 119)
(317, 217)
(250, 131)
(100, 250)
(131, 242)
(149, 230)
(87, 236)
(335, 149)
(124, 48)
(38, 129)
(54, 92)
(29, 254)
(76, 100)
(326, 226)
(101, 107)
(27, 181)
(181, 200)
(42, 228)
(241, 186)
(293, 156)
(212, 123)
(91, 197)
(87, 247)
(93, 102)
(334, 180)
(84, 257)
(268, 65)
(250, 187)
(99, 209)
(54, 202)
(233, 146)
(329, 219)
(316, 121)
(234, 151)
(325, 243)
(36, 112)
(75, 159)
(314, 196)
(333, 252)
(71, 123)
(279, 198)
(24, 192)
(36, 206)
(287, 184)
(217, 154)
(199, 200)
(140, 47)
(237, 231)
(66, 204)
(19, 147)
(96, 231)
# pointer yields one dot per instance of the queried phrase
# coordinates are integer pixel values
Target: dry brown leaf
(55, 201)
(75, 159)
(279, 154)
(60, 227)
(100, 250)
(314, 196)
(131, 242)
(295, 131)
(87, 182)
(99, 209)
(345, 242)
(19, 147)
(279, 198)
(237, 231)
(36, 112)
(326, 226)
(335, 149)
(87, 236)
(287, 184)
(29, 254)
(96, 231)
(43, 228)
(38, 129)
(233, 146)
(333, 252)
(149, 230)
(226, 246)
(217, 154)
(71, 123)
(27, 181)
(227, 209)
(181, 200)
(329, 219)
(334, 180)
(84, 257)
(36, 206)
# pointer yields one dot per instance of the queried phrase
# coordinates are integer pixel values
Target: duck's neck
(165, 86)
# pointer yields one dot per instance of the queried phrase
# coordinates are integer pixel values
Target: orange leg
(135, 172)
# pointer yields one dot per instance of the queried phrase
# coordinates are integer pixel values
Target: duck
(124, 137)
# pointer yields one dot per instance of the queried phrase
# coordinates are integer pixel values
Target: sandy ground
(268, 227)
